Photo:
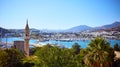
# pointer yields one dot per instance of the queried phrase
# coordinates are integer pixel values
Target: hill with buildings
(3, 31)
(109, 26)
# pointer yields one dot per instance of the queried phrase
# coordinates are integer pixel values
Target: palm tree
(99, 53)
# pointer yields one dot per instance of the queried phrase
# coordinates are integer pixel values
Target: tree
(58, 57)
(116, 47)
(10, 58)
(31, 61)
(76, 48)
(3, 60)
(99, 53)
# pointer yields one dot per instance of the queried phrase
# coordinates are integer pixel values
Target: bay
(67, 44)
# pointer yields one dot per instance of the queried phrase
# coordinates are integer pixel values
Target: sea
(66, 44)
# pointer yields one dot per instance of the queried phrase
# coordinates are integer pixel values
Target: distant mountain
(79, 28)
(34, 30)
(113, 25)
(84, 27)
(108, 30)
(23, 30)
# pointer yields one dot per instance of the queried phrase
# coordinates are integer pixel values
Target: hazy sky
(58, 14)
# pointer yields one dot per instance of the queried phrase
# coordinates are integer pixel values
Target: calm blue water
(83, 44)
(11, 40)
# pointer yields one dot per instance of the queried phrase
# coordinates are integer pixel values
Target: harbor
(63, 42)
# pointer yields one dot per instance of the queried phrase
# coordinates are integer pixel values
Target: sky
(58, 14)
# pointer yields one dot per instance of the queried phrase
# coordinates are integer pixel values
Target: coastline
(64, 42)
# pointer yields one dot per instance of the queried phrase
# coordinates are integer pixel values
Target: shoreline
(65, 42)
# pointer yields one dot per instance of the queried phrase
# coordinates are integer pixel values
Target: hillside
(79, 28)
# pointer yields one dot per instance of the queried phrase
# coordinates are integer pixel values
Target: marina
(61, 43)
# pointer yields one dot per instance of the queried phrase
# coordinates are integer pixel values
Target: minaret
(26, 38)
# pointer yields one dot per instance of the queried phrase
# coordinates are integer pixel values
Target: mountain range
(79, 28)
(113, 25)
(85, 27)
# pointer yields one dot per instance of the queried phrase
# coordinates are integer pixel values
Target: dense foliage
(52, 56)
(99, 53)
(10, 58)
